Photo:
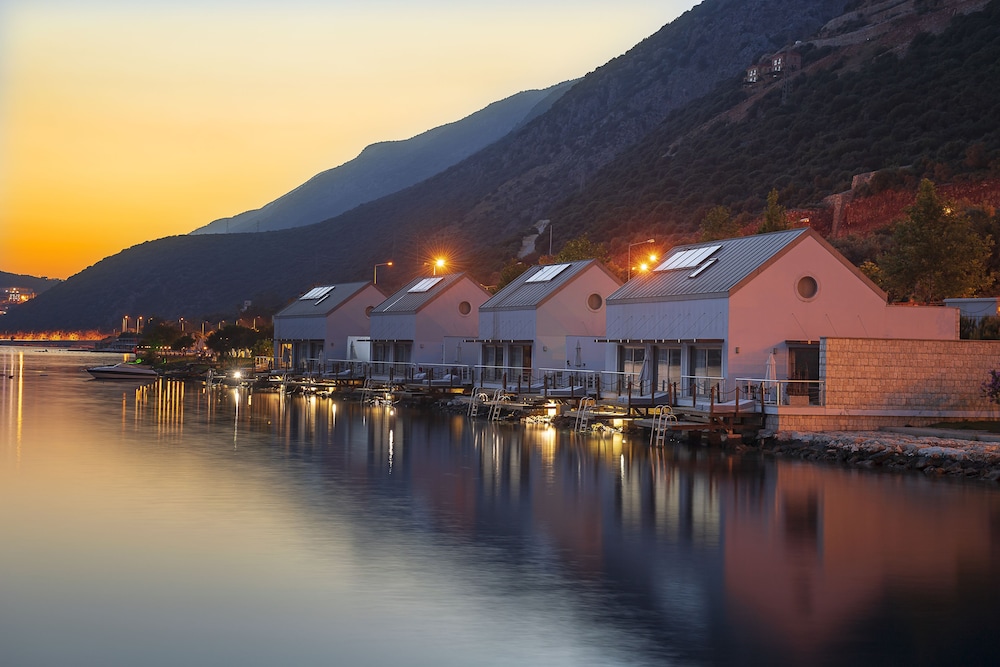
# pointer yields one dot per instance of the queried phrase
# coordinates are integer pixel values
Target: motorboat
(123, 371)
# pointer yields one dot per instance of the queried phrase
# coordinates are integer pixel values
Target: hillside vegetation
(925, 113)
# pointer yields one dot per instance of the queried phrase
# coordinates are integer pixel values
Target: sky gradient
(125, 121)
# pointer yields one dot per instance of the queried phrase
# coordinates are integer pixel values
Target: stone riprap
(974, 455)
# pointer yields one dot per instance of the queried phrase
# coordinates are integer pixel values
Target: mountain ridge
(390, 166)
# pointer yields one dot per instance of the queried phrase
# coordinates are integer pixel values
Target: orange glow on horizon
(111, 135)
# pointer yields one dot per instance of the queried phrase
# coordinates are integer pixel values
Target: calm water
(166, 525)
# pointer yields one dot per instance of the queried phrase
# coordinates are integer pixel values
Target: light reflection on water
(163, 523)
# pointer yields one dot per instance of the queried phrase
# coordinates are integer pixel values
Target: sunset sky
(124, 121)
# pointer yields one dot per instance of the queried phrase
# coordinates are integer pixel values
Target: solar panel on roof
(316, 293)
(425, 284)
(547, 273)
(686, 259)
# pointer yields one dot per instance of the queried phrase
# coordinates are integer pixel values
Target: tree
(718, 223)
(509, 272)
(231, 340)
(935, 253)
(582, 248)
(775, 219)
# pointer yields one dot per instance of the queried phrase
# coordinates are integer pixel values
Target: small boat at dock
(123, 371)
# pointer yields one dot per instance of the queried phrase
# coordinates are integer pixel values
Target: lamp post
(375, 271)
(630, 254)
(124, 323)
(435, 265)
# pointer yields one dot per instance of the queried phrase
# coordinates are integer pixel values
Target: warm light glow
(107, 123)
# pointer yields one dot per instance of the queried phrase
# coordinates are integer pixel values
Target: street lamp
(375, 271)
(124, 323)
(435, 265)
(630, 254)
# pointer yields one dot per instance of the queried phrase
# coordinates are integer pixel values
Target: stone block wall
(871, 383)
(893, 374)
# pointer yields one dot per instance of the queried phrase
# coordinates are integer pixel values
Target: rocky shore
(934, 453)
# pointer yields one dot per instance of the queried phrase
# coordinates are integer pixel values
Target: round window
(465, 308)
(368, 311)
(594, 302)
(807, 287)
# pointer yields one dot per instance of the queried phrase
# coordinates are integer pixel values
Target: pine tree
(775, 219)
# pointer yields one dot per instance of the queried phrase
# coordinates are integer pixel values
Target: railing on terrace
(437, 375)
(692, 387)
(568, 382)
(783, 392)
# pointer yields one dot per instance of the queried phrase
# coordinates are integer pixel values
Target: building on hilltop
(773, 67)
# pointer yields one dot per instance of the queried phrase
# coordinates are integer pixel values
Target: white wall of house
(393, 326)
(656, 320)
(507, 324)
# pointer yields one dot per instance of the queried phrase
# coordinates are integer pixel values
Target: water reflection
(475, 542)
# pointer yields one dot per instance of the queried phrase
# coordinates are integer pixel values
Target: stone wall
(870, 383)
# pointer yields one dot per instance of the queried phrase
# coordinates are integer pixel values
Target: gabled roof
(417, 293)
(536, 285)
(321, 301)
(709, 269)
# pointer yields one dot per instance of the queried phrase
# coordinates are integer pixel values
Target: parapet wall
(871, 383)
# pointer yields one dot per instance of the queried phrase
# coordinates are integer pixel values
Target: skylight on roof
(316, 293)
(425, 284)
(547, 273)
(686, 259)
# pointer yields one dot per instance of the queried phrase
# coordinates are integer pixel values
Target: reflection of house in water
(822, 552)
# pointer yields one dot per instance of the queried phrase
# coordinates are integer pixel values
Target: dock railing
(413, 373)
(783, 392)
(570, 382)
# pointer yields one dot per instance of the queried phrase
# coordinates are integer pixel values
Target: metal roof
(528, 291)
(719, 272)
(330, 298)
(408, 301)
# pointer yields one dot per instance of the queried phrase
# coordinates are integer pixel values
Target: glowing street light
(630, 254)
(375, 271)
(435, 265)
(124, 323)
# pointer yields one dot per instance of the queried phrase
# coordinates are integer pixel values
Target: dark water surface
(161, 524)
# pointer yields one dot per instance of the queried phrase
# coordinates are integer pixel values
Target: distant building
(773, 66)
(11, 296)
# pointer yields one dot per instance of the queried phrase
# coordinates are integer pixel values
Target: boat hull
(123, 372)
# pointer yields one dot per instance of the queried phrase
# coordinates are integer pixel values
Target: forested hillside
(924, 112)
